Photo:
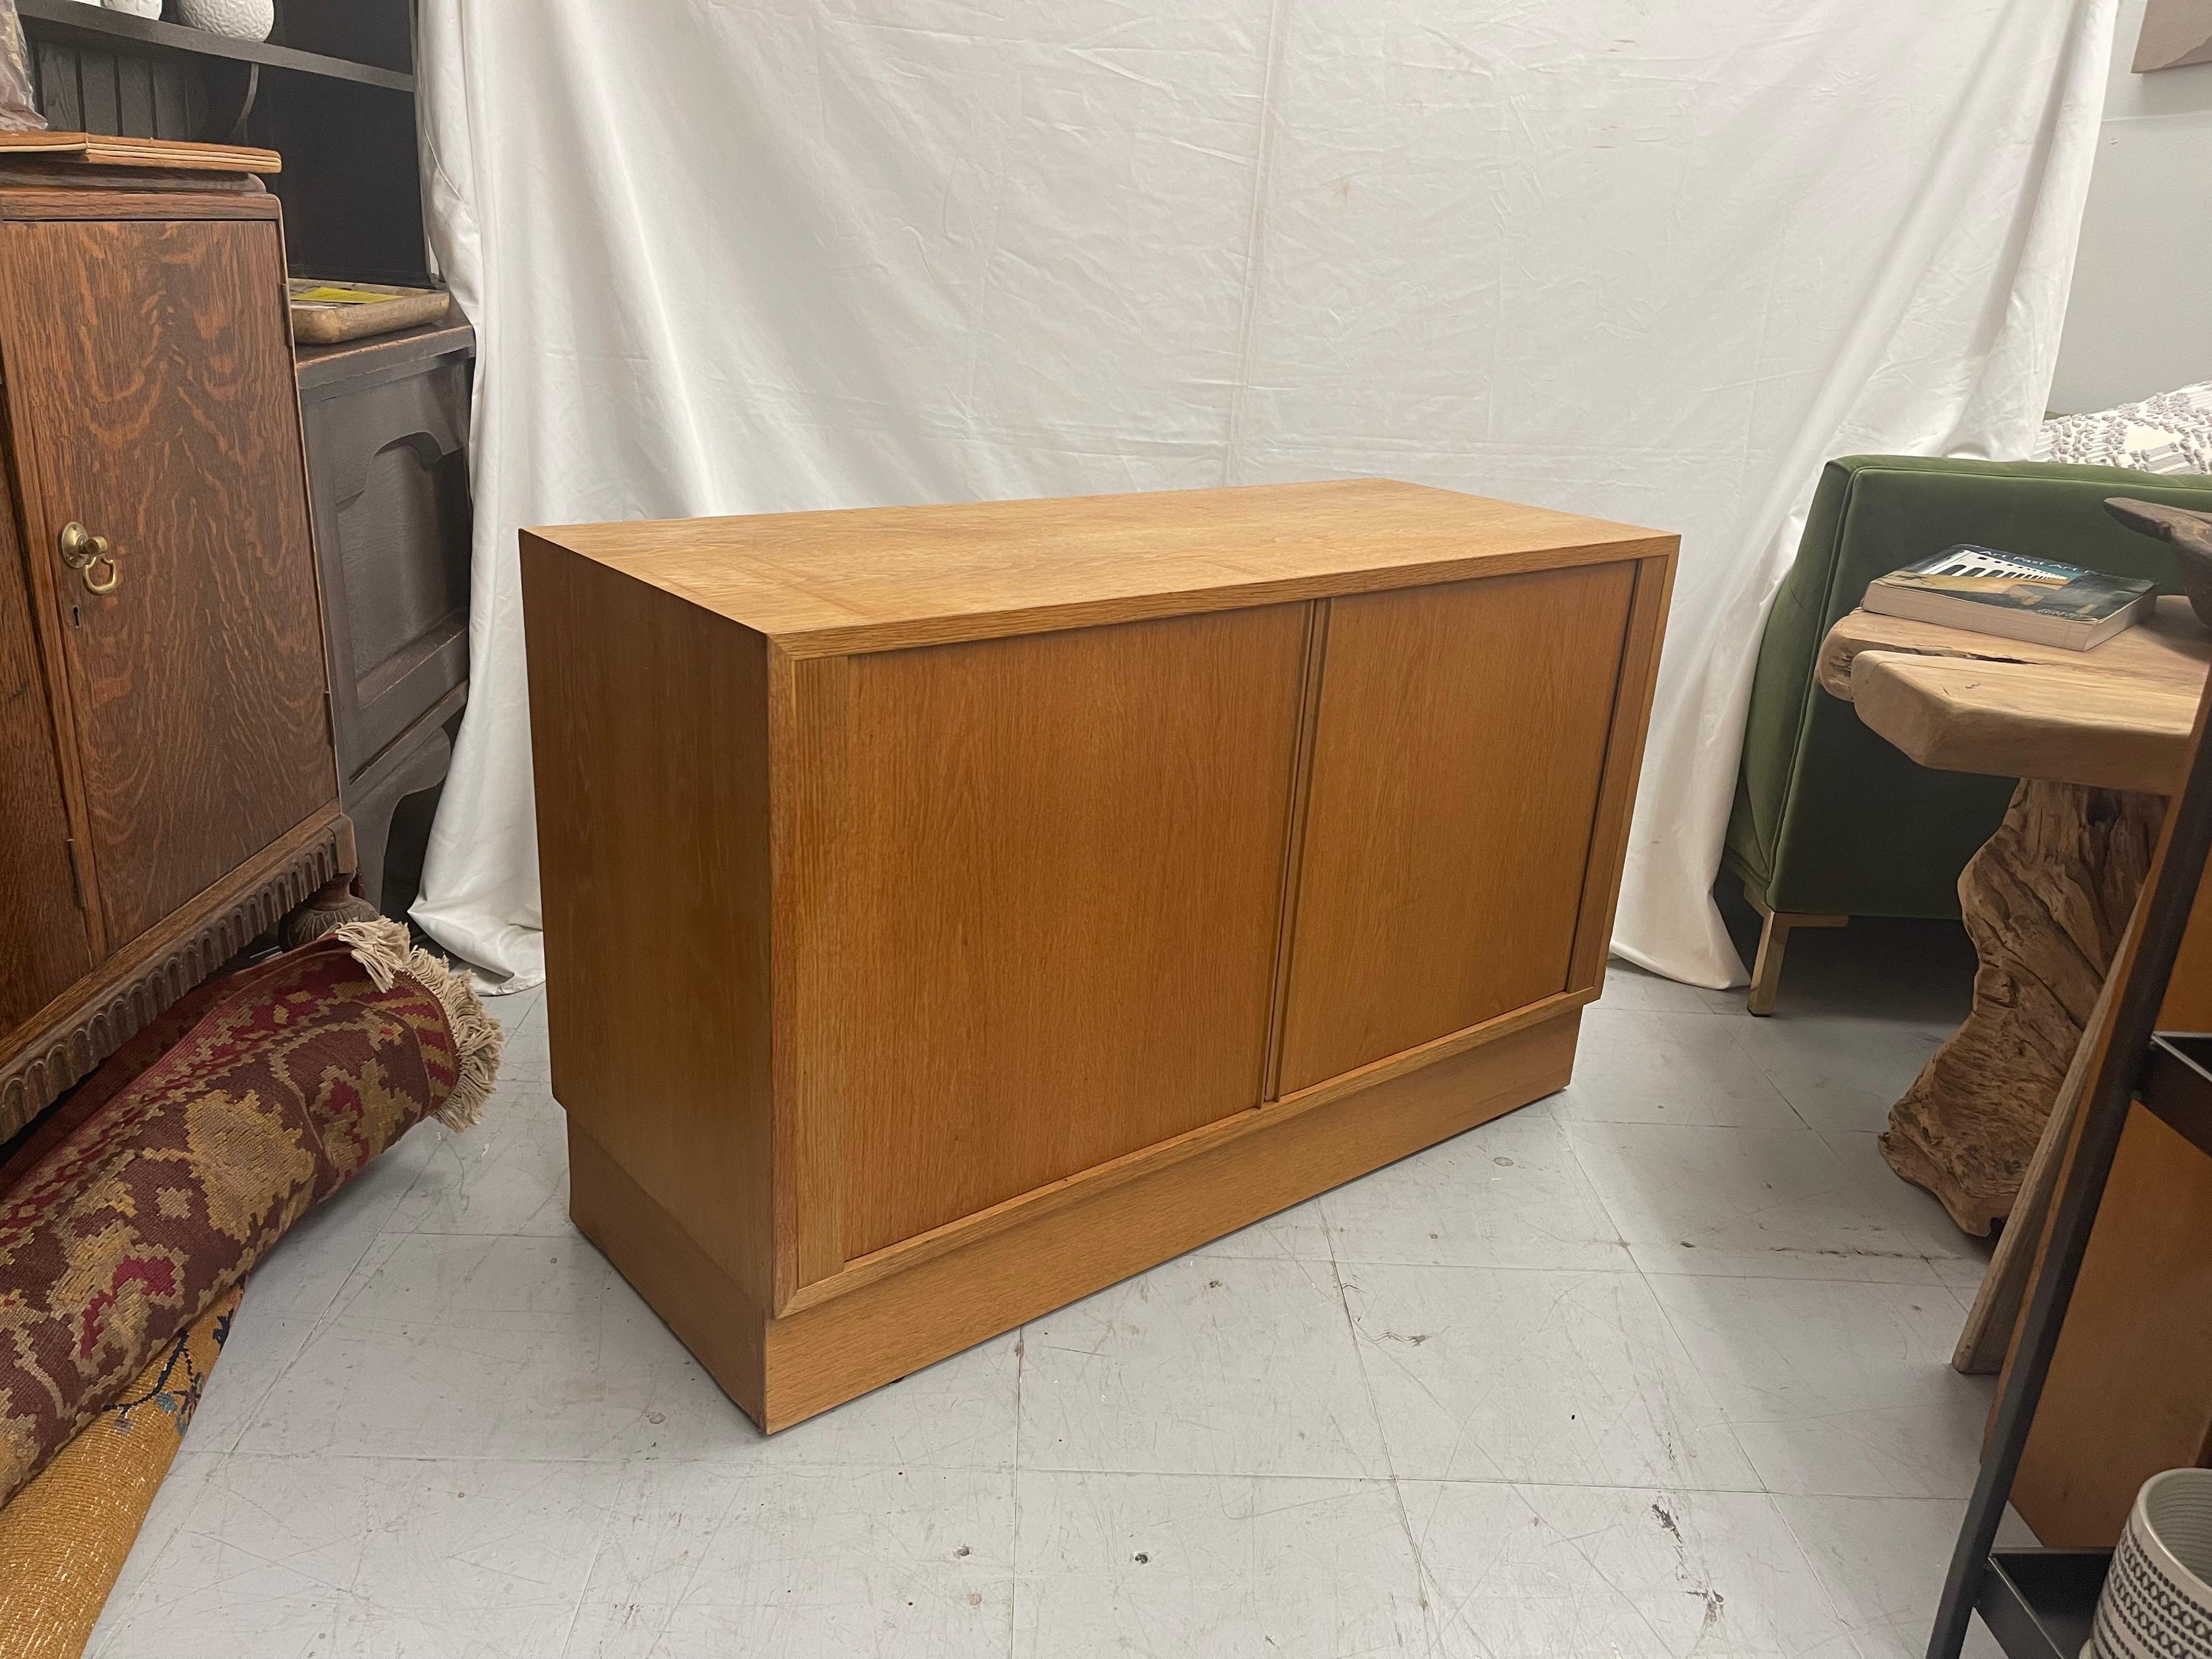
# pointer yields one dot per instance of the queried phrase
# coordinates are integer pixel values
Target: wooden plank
(1061, 866)
(1461, 730)
(103, 148)
(842, 1347)
(2129, 1388)
(2126, 1396)
(2024, 720)
(2170, 649)
(46, 940)
(342, 367)
(1207, 1140)
(649, 724)
(1987, 1336)
(1624, 768)
(96, 80)
(883, 579)
(60, 99)
(712, 1313)
(134, 97)
(812, 715)
(2118, 717)
(26, 204)
(1294, 855)
(178, 100)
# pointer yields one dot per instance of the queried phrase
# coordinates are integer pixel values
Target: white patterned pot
(2157, 1601)
(241, 20)
(135, 8)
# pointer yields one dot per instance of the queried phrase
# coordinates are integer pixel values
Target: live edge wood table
(950, 911)
(2098, 739)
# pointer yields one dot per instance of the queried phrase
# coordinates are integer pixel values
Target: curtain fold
(1651, 264)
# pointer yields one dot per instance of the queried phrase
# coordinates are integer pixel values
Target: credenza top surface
(881, 578)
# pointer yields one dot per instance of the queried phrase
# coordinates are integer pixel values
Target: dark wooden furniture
(167, 788)
(387, 429)
(950, 911)
(332, 92)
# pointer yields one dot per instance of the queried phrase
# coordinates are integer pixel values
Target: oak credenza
(950, 911)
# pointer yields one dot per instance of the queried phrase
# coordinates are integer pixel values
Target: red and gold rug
(151, 1192)
(64, 1536)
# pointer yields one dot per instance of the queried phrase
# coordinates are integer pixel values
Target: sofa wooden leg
(1774, 927)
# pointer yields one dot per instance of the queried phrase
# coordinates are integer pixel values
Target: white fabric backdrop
(1653, 263)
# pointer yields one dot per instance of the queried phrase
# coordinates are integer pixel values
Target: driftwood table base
(2044, 902)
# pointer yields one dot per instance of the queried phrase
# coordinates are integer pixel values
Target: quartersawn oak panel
(651, 770)
(1458, 752)
(922, 960)
(1053, 937)
(44, 943)
(878, 579)
(150, 375)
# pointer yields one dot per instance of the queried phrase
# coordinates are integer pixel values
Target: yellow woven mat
(63, 1538)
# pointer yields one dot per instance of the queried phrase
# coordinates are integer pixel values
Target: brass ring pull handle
(86, 554)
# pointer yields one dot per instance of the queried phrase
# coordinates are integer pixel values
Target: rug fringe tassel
(382, 948)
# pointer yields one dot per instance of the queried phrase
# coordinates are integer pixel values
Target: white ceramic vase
(241, 20)
(2157, 1603)
(135, 8)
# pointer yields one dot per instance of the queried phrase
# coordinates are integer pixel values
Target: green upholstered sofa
(1830, 822)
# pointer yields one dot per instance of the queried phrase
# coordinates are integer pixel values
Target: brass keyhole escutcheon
(88, 555)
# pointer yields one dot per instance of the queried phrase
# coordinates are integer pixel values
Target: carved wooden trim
(99, 1014)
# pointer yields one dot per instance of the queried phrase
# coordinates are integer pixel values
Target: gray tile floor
(1655, 1367)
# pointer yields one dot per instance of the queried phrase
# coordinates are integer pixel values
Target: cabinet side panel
(1457, 759)
(1057, 904)
(44, 940)
(1624, 767)
(649, 738)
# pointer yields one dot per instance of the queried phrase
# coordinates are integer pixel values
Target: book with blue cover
(1993, 592)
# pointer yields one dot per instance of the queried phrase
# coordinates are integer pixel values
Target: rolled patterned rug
(63, 1537)
(148, 1193)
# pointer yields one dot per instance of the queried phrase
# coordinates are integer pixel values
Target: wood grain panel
(150, 387)
(45, 942)
(810, 734)
(1458, 754)
(96, 1016)
(1184, 1196)
(649, 727)
(2126, 1396)
(213, 196)
(1624, 767)
(876, 1331)
(711, 1312)
(1062, 864)
(2129, 1388)
(889, 578)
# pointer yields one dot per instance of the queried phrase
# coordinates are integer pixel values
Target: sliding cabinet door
(1458, 749)
(1048, 938)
